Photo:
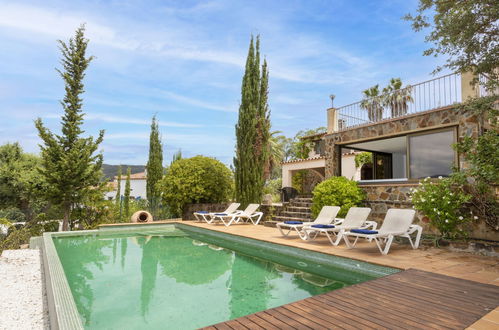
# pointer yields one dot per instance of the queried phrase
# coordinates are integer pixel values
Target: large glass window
(431, 154)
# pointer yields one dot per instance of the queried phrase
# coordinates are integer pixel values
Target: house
(138, 184)
(410, 138)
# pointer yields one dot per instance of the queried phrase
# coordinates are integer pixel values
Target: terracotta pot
(141, 216)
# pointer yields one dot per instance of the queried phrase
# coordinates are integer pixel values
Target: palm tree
(397, 98)
(372, 103)
(276, 152)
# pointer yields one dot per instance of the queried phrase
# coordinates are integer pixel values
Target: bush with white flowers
(443, 203)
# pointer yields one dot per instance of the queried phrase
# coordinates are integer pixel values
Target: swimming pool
(182, 277)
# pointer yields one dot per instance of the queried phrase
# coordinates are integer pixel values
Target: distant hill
(110, 171)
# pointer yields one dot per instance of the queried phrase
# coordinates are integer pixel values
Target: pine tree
(154, 167)
(69, 163)
(126, 200)
(252, 130)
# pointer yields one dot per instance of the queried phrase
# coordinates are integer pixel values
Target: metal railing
(432, 94)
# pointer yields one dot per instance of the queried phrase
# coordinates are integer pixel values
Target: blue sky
(183, 60)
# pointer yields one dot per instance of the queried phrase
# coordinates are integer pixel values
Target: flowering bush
(443, 204)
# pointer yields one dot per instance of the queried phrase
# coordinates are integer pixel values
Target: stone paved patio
(462, 265)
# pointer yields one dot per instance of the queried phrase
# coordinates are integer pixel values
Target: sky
(183, 61)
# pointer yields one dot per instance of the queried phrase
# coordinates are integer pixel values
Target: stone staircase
(297, 209)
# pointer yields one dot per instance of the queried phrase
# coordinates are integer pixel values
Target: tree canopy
(465, 31)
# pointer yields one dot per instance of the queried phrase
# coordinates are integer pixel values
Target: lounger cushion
(202, 212)
(364, 231)
(293, 222)
(222, 214)
(322, 226)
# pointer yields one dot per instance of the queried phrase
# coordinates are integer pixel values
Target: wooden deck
(412, 299)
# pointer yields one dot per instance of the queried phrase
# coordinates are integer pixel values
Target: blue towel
(293, 222)
(203, 212)
(364, 231)
(322, 226)
(222, 214)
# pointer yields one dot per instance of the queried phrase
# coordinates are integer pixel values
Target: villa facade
(406, 146)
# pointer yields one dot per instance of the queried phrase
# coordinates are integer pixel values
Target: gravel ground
(22, 296)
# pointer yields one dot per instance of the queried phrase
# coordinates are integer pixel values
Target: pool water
(159, 281)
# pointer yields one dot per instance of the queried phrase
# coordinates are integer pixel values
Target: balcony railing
(428, 95)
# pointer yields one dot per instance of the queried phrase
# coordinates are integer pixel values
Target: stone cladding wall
(466, 123)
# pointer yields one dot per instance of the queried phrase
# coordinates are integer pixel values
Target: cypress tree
(70, 164)
(118, 192)
(154, 167)
(126, 201)
(252, 129)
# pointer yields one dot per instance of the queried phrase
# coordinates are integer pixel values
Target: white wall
(137, 189)
(348, 169)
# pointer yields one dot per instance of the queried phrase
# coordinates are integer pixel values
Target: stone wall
(382, 197)
(210, 207)
(433, 119)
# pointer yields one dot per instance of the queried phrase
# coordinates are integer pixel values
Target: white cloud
(195, 102)
(128, 120)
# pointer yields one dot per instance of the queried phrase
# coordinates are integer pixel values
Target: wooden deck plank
(262, 324)
(412, 299)
(367, 304)
(274, 321)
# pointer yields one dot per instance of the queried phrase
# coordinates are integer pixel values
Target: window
(412, 156)
(431, 154)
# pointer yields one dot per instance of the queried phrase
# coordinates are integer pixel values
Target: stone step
(300, 204)
(298, 209)
(302, 199)
(296, 214)
(280, 218)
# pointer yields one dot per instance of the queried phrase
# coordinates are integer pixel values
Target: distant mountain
(110, 171)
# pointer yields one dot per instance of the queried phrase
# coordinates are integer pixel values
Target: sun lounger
(249, 214)
(397, 222)
(356, 218)
(326, 217)
(208, 216)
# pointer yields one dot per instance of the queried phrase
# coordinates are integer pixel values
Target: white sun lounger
(327, 216)
(397, 222)
(356, 218)
(208, 216)
(248, 214)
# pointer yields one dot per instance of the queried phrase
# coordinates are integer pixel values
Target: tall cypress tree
(252, 129)
(126, 200)
(118, 192)
(70, 164)
(154, 167)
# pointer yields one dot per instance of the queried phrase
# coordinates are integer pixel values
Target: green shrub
(336, 191)
(363, 158)
(195, 180)
(17, 237)
(13, 214)
(443, 203)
